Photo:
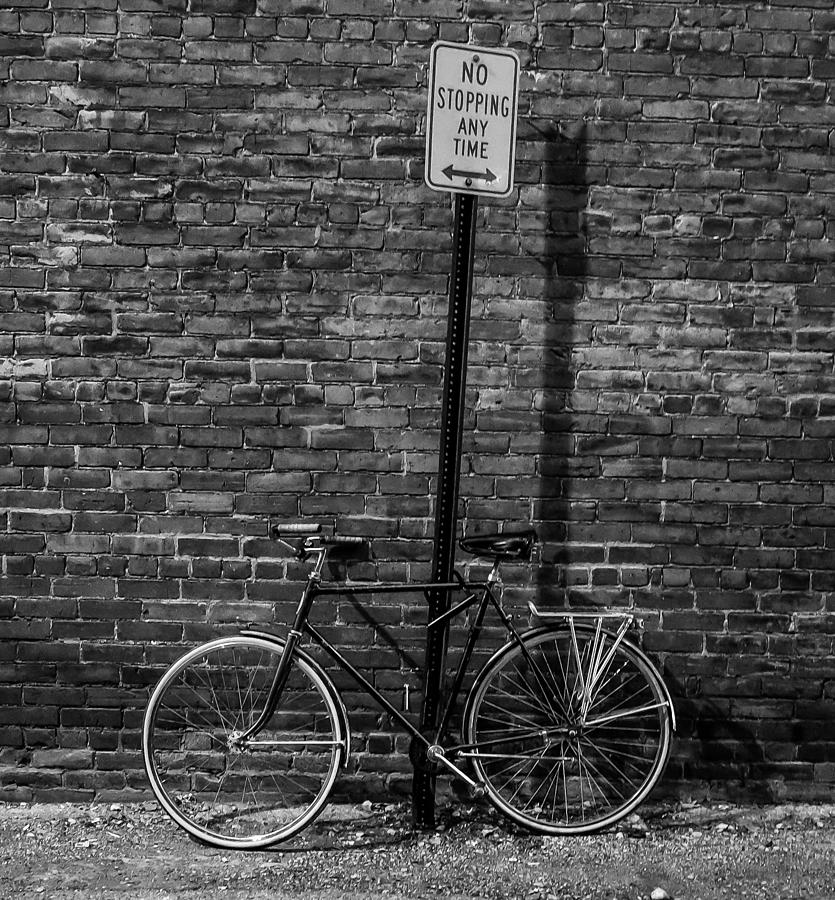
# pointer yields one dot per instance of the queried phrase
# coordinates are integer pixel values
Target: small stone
(659, 894)
(635, 826)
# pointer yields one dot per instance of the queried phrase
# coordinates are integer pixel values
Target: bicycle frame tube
(472, 639)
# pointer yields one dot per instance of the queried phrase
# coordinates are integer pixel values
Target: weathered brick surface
(222, 299)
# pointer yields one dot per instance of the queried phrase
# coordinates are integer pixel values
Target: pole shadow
(565, 183)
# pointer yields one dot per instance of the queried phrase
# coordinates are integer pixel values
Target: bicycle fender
(340, 706)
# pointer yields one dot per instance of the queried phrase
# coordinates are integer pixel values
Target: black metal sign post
(470, 149)
(449, 471)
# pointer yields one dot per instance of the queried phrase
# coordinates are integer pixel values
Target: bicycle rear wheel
(570, 730)
(233, 795)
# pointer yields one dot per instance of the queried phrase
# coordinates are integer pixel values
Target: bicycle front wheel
(569, 730)
(232, 794)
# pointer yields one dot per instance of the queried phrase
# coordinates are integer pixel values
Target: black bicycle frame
(478, 592)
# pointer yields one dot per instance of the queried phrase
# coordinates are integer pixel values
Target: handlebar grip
(299, 528)
(344, 539)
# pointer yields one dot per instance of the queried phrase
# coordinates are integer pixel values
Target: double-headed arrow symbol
(450, 171)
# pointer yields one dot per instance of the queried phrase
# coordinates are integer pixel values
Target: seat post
(495, 576)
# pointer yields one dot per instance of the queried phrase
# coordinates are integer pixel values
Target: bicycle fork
(282, 671)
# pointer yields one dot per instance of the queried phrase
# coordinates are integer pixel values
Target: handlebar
(314, 540)
(296, 529)
(343, 539)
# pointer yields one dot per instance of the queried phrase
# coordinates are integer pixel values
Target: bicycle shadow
(391, 826)
(350, 828)
(357, 563)
(715, 755)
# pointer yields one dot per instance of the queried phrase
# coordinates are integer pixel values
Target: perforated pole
(449, 471)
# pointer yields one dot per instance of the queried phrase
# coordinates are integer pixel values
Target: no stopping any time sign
(471, 119)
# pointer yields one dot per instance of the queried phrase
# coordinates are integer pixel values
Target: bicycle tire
(231, 797)
(543, 761)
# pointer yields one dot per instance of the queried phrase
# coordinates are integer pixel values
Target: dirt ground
(686, 851)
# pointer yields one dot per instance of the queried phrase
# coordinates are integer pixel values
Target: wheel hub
(236, 741)
(570, 733)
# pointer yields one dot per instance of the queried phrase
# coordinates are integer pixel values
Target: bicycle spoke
(191, 722)
(556, 782)
(620, 687)
(218, 705)
(522, 782)
(627, 760)
(584, 763)
(242, 724)
(560, 683)
(518, 716)
(617, 770)
(227, 725)
(521, 765)
(256, 704)
(592, 767)
(246, 784)
(532, 700)
(567, 818)
(512, 762)
(552, 775)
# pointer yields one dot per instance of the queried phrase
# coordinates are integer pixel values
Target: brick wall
(222, 299)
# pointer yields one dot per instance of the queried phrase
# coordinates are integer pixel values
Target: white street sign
(471, 119)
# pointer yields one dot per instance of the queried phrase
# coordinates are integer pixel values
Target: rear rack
(578, 613)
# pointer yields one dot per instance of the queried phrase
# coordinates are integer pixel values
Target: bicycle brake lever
(299, 552)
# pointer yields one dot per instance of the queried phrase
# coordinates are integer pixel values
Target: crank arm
(474, 786)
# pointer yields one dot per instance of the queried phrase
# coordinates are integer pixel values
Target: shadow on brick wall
(565, 185)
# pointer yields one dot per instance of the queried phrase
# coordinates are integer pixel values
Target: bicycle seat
(501, 546)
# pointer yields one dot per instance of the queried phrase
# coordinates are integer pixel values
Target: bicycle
(567, 727)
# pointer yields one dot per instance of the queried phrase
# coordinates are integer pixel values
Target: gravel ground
(687, 852)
